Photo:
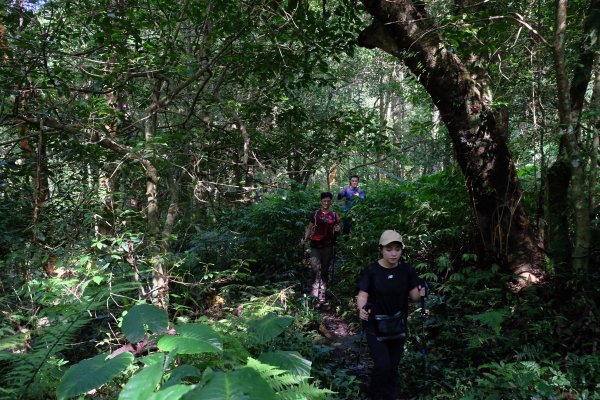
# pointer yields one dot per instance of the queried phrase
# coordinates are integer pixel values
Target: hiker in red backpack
(323, 225)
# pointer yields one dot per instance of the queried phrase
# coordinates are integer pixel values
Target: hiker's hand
(422, 291)
(364, 314)
(336, 228)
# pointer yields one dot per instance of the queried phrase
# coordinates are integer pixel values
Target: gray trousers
(319, 263)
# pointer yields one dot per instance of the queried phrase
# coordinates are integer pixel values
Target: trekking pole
(332, 269)
(361, 341)
(363, 337)
(424, 317)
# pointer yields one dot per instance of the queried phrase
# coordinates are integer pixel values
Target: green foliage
(143, 384)
(290, 361)
(244, 383)
(268, 327)
(262, 232)
(180, 372)
(485, 341)
(278, 374)
(92, 373)
(520, 380)
(492, 318)
(170, 393)
(36, 369)
(290, 383)
(192, 339)
(141, 318)
(429, 213)
(227, 98)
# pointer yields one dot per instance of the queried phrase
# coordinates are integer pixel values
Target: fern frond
(285, 384)
(304, 391)
(36, 369)
(265, 370)
(46, 344)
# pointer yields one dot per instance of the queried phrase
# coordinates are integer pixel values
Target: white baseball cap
(390, 236)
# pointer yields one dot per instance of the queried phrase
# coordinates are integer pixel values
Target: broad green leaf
(181, 372)
(155, 358)
(170, 357)
(290, 361)
(141, 316)
(142, 385)
(171, 393)
(91, 373)
(268, 327)
(242, 384)
(192, 339)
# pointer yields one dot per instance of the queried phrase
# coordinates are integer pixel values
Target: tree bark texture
(569, 168)
(477, 131)
(595, 105)
(594, 160)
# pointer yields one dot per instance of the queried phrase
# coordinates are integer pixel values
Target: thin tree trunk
(42, 186)
(561, 172)
(595, 105)
(151, 173)
(569, 168)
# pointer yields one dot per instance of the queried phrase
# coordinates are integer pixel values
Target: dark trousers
(346, 225)
(386, 357)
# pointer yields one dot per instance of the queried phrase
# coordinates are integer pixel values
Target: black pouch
(388, 327)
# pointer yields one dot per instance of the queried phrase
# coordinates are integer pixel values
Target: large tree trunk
(478, 132)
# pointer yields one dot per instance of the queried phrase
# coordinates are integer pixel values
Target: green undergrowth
(239, 319)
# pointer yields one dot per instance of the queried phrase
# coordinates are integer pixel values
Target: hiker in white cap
(384, 288)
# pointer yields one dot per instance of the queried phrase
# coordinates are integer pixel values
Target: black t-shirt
(388, 288)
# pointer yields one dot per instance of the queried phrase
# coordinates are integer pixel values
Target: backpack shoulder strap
(314, 226)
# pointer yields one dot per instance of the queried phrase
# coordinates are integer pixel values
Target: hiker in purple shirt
(351, 195)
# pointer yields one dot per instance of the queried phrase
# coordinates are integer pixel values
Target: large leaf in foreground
(92, 373)
(192, 339)
(290, 361)
(241, 384)
(143, 384)
(174, 392)
(142, 316)
(268, 327)
(181, 372)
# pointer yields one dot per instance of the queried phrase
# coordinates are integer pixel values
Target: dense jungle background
(159, 159)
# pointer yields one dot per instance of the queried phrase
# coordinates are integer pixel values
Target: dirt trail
(349, 348)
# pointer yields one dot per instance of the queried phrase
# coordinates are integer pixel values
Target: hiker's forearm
(362, 299)
(361, 302)
(308, 230)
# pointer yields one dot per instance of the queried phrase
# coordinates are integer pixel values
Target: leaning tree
(453, 72)
(477, 129)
